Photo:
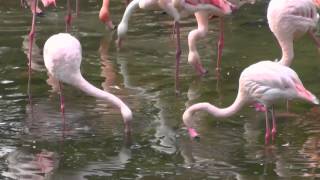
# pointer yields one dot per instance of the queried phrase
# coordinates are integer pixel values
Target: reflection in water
(102, 166)
(311, 147)
(141, 73)
(24, 165)
(37, 62)
(107, 70)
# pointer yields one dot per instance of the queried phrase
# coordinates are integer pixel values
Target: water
(93, 146)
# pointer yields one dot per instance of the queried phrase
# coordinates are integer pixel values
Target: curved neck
(213, 110)
(132, 6)
(105, 3)
(287, 52)
(91, 90)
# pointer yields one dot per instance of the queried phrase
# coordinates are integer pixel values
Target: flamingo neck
(105, 3)
(213, 110)
(132, 6)
(91, 90)
(287, 52)
(123, 25)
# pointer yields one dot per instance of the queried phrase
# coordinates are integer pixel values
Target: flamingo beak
(315, 101)
(305, 94)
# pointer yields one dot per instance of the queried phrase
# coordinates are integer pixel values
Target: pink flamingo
(290, 19)
(62, 58)
(202, 18)
(68, 17)
(34, 5)
(104, 14)
(264, 82)
(177, 10)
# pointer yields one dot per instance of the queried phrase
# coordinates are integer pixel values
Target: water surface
(93, 146)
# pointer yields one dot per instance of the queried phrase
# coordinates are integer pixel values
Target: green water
(93, 146)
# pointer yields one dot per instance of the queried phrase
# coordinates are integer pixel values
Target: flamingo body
(62, 57)
(290, 19)
(265, 82)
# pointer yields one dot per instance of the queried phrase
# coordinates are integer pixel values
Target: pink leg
(31, 39)
(220, 44)
(267, 135)
(178, 54)
(315, 39)
(274, 124)
(62, 106)
(68, 17)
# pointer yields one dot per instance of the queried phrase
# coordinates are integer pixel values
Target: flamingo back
(292, 18)
(268, 82)
(62, 57)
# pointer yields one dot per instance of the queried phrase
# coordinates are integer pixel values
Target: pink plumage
(62, 57)
(265, 82)
(290, 19)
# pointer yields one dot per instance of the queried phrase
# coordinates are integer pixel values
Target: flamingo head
(305, 94)
(104, 17)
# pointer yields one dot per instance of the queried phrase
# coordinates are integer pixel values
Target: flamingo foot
(193, 134)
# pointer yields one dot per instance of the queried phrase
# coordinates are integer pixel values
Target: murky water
(93, 146)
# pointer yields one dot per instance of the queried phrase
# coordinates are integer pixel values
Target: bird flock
(264, 82)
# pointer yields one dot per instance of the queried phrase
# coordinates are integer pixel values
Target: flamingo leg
(220, 44)
(314, 38)
(267, 135)
(274, 124)
(68, 17)
(31, 39)
(178, 54)
(77, 8)
(62, 105)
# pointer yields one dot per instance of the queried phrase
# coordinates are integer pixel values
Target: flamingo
(34, 5)
(104, 14)
(62, 58)
(202, 18)
(290, 19)
(264, 82)
(177, 10)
